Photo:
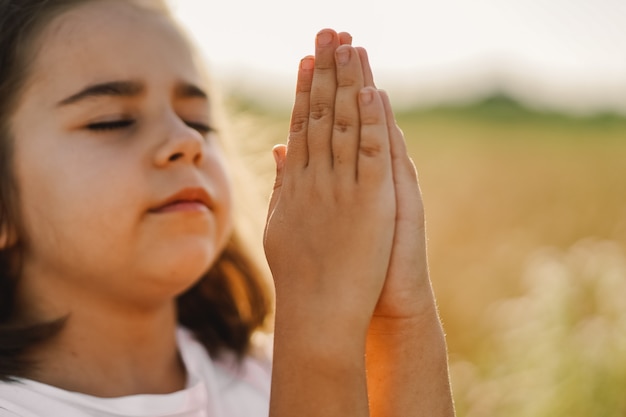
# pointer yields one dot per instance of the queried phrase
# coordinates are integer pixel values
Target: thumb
(279, 152)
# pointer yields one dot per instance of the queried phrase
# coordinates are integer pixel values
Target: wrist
(319, 334)
(424, 318)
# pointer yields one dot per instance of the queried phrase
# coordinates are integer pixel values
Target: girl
(125, 287)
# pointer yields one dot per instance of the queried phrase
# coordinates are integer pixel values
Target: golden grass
(501, 193)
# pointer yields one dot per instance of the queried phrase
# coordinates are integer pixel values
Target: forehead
(107, 40)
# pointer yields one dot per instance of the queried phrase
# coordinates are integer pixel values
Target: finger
(374, 154)
(408, 196)
(298, 126)
(346, 131)
(322, 100)
(345, 38)
(368, 76)
(279, 153)
(399, 154)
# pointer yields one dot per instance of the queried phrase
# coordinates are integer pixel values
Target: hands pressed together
(357, 331)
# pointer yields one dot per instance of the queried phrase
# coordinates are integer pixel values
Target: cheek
(221, 182)
(71, 205)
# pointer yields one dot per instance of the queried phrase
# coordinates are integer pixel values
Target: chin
(180, 267)
(171, 266)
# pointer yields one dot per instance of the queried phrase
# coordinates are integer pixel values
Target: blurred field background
(511, 113)
(526, 219)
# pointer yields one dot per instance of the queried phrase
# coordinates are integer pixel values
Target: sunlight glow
(564, 53)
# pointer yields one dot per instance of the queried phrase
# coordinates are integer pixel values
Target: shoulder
(253, 369)
(7, 411)
(12, 394)
(241, 385)
(17, 399)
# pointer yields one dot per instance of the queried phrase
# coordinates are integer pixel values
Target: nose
(180, 144)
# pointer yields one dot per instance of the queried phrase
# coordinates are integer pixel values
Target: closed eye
(112, 125)
(202, 128)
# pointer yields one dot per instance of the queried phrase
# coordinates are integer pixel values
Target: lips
(191, 199)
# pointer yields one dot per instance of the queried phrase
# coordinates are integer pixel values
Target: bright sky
(568, 53)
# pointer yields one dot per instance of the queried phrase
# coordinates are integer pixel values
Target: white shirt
(220, 388)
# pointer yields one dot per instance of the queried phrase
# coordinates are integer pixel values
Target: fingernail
(324, 38)
(367, 95)
(307, 63)
(343, 55)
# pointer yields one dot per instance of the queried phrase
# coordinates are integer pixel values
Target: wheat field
(526, 223)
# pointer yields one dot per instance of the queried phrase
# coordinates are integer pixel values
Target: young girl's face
(123, 191)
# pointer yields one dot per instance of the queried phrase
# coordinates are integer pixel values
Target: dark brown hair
(223, 309)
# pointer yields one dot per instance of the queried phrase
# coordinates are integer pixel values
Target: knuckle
(344, 82)
(320, 109)
(298, 124)
(324, 67)
(370, 119)
(370, 149)
(343, 124)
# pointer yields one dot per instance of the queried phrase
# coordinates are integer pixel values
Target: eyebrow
(111, 89)
(128, 89)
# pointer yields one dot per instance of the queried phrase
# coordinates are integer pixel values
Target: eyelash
(200, 127)
(122, 124)
(114, 125)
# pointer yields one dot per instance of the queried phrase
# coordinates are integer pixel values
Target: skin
(376, 300)
(344, 240)
(91, 169)
(334, 215)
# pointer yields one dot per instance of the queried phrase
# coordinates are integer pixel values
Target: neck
(113, 355)
(110, 346)
(118, 339)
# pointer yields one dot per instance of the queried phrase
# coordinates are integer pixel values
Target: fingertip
(305, 74)
(325, 37)
(345, 38)
(366, 95)
(279, 152)
(307, 63)
(343, 54)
